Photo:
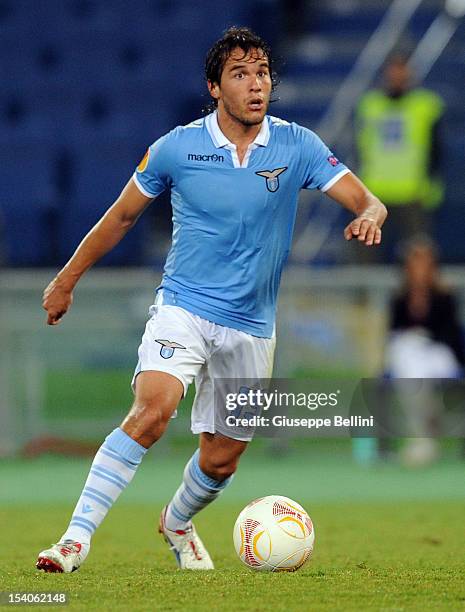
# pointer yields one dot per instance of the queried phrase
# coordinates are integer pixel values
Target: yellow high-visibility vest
(394, 144)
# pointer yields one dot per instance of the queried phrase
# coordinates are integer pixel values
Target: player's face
(245, 88)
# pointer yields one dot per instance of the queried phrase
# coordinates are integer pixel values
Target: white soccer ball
(274, 534)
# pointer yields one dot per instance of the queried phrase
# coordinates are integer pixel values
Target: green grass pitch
(386, 539)
(367, 557)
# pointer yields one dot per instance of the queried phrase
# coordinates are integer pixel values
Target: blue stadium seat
(305, 115)
(337, 18)
(71, 16)
(69, 114)
(102, 166)
(422, 19)
(47, 109)
(16, 22)
(132, 112)
(28, 201)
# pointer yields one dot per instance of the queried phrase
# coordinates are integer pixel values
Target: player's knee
(148, 418)
(154, 417)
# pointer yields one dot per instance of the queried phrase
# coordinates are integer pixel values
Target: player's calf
(219, 456)
(114, 467)
(111, 472)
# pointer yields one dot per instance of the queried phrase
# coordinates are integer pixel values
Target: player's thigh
(172, 344)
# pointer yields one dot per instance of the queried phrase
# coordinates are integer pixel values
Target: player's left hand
(365, 229)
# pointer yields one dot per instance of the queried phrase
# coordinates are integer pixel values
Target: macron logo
(205, 158)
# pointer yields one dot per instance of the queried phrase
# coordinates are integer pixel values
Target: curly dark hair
(217, 56)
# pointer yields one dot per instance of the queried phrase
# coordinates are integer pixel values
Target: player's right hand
(56, 301)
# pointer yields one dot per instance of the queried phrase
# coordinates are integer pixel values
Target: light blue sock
(196, 491)
(112, 470)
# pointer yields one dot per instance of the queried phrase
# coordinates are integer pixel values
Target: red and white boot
(64, 557)
(186, 545)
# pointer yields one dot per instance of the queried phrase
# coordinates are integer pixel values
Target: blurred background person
(399, 152)
(426, 342)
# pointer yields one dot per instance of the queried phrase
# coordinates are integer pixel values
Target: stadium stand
(89, 84)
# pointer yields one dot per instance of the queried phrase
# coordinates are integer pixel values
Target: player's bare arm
(369, 210)
(103, 237)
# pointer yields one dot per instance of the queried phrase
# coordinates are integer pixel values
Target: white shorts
(191, 348)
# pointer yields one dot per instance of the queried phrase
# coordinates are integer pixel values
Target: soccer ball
(274, 534)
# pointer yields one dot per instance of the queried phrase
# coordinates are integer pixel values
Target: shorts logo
(144, 162)
(167, 348)
(272, 180)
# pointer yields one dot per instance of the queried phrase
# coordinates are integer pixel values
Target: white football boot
(187, 547)
(64, 557)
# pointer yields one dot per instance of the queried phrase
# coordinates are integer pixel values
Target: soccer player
(234, 176)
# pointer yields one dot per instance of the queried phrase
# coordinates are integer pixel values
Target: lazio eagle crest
(167, 348)
(272, 178)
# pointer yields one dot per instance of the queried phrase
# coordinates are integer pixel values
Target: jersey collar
(220, 140)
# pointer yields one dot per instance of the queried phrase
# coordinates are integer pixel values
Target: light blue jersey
(233, 223)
